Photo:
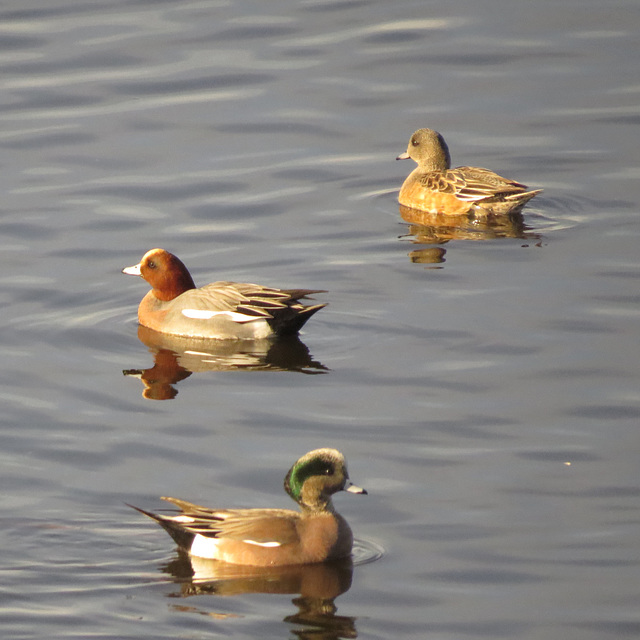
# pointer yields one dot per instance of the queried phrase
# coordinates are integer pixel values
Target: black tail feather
(289, 322)
(181, 536)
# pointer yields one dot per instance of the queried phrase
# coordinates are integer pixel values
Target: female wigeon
(272, 537)
(221, 310)
(435, 187)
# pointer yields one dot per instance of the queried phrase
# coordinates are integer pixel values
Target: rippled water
(481, 379)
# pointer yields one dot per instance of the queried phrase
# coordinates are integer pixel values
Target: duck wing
(243, 298)
(260, 526)
(471, 184)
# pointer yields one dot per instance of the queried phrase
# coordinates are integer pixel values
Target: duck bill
(351, 488)
(403, 156)
(132, 271)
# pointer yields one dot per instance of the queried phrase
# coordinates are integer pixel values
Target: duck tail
(181, 536)
(522, 198)
(291, 324)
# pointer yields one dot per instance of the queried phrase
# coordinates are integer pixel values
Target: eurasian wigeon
(221, 310)
(272, 537)
(435, 187)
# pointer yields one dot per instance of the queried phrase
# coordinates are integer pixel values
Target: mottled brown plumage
(433, 186)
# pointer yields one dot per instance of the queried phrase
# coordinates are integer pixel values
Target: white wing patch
(203, 314)
(271, 543)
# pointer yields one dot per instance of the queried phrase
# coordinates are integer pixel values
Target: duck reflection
(176, 358)
(437, 228)
(317, 586)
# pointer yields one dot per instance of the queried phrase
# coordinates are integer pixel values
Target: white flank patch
(205, 547)
(202, 314)
(272, 543)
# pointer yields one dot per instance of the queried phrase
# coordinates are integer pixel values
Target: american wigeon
(221, 310)
(272, 537)
(435, 187)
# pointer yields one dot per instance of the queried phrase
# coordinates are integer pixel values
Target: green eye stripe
(302, 472)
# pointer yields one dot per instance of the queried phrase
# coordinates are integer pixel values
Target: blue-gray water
(483, 383)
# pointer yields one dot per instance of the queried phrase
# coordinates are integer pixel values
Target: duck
(433, 186)
(272, 537)
(220, 310)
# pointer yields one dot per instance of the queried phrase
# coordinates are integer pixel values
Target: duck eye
(151, 264)
(415, 142)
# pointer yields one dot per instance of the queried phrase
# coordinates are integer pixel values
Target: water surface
(482, 381)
